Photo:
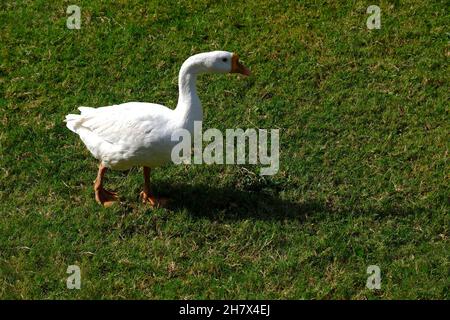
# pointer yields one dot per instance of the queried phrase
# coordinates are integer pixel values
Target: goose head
(217, 62)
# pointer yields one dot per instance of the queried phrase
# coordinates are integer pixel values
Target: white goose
(139, 133)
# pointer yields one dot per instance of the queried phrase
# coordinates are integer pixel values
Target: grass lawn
(364, 139)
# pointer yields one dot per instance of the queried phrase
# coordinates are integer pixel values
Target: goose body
(139, 133)
(129, 134)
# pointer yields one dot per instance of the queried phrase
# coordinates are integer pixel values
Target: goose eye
(224, 59)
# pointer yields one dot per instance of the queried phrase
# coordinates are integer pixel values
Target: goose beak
(237, 66)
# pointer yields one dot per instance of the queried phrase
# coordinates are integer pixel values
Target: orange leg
(103, 196)
(146, 194)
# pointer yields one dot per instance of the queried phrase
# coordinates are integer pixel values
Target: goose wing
(119, 124)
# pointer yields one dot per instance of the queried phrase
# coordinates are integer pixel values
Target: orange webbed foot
(154, 202)
(105, 197)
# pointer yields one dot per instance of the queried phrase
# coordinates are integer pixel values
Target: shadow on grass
(229, 203)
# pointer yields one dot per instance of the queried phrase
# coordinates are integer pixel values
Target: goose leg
(146, 194)
(103, 196)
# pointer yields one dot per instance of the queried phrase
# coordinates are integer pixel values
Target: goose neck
(189, 105)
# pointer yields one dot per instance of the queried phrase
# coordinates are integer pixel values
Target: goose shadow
(202, 200)
(228, 203)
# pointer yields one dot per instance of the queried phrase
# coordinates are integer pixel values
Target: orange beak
(237, 66)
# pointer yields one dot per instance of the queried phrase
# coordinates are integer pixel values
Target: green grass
(364, 138)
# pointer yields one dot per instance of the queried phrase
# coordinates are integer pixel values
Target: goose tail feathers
(74, 121)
